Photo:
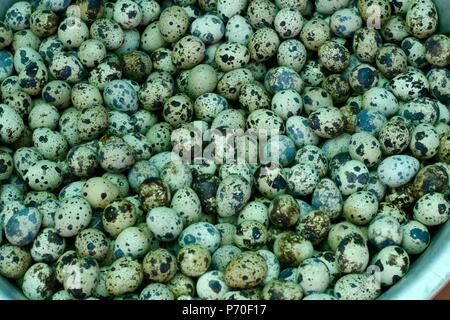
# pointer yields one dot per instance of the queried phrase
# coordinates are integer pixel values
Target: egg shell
(352, 254)
(74, 215)
(395, 171)
(248, 264)
(164, 223)
(23, 226)
(384, 231)
(313, 276)
(39, 282)
(124, 276)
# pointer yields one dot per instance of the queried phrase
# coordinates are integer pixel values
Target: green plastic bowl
(427, 275)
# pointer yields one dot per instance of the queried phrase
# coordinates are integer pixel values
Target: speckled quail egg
(211, 285)
(375, 186)
(39, 282)
(382, 100)
(133, 242)
(109, 32)
(326, 122)
(424, 141)
(291, 249)
(431, 178)
(164, 223)
(352, 253)
(315, 33)
(432, 209)
(187, 204)
(393, 263)
(297, 128)
(357, 286)
(193, 260)
(176, 175)
(92, 242)
(253, 96)
(22, 227)
(151, 37)
(202, 233)
(188, 52)
(327, 198)
(227, 8)
(209, 27)
(334, 56)
(289, 274)
(6, 34)
(230, 83)
(288, 22)
(416, 237)
(57, 93)
(351, 177)
(227, 231)
(99, 192)
(409, 85)
(394, 30)
(282, 290)
(302, 179)
(120, 95)
(17, 17)
(366, 44)
(273, 265)
(284, 211)
(238, 30)
(250, 235)
(15, 261)
(365, 147)
(124, 276)
(173, 23)
(395, 171)
(72, 32)
(48, 246)
(337, 87)
(292, 54)
(363, 77)
(313, 226)
(394, 137)
(258, 49)
(230, 56)
(233, 193)
(345, 22)
(115, 155)
(421, 19)
(360, 207)
(127, 13)
(391, 60)
(282, 78)
(247, 263)
(208, 105)
(159, 265)
(438, 79)
(384, 231)
(202, 79)
(420, 110)
(81, 277)
(415, 52)
(74, 214)
(156, 291)
(67, 68)
(313, 276)
(181, 285)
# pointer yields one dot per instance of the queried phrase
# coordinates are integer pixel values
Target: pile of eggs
(95, 204)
